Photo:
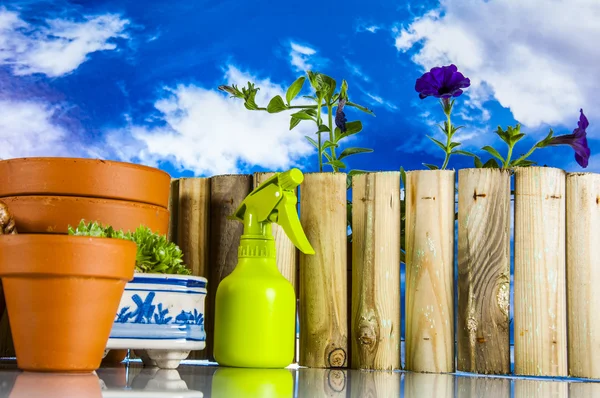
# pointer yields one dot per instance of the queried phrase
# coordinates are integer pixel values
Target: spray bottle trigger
(288, 220)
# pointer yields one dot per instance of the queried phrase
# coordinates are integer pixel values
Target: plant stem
(331, 134)
(319, 134)
(508, 156)
(527, 154)
(448, 141)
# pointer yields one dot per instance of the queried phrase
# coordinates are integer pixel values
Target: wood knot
(428, 197)
(477, 195)
(426, 338)
(598, 200)
(367, 336)
(553, 196)
(481, 340)
(337, 358)
(336, 379)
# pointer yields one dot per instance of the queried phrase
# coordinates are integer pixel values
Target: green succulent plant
(155, 254)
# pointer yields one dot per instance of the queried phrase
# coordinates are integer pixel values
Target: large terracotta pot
(62, 293)
(53, 214)
(84, 177)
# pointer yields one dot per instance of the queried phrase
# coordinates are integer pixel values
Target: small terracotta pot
(53, 214)
(84, 177)
(62, 293)
(34, 385)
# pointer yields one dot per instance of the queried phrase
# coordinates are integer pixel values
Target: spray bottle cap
(272, 201)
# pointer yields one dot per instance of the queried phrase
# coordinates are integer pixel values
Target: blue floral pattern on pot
(160, 311)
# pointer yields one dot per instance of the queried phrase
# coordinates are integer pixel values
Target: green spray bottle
(255, 306)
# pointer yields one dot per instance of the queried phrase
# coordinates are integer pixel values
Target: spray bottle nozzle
(274, 201)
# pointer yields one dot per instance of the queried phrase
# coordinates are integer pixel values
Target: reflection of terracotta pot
(114, 357)
(62, 293)
(53, 214)
(34, 385)
(113, 375)
(84, 177)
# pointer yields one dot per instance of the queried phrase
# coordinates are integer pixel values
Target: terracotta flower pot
(53, 214)
(62, 293)
(84, 177)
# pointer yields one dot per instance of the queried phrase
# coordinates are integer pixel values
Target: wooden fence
(352, 319)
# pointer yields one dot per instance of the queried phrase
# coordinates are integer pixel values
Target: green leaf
(294, 121)
(461, 152)
(522, 163)
(276, 105)
(312, 141)
(337, 164)
(403, 176)
(328, 86)
(323, 129)
(478, 163)
(438, 143)
(454, 145)
(311, 112)
(430, 166)
(302, 115)
(491, 164)
(351, 129)
(493, 152)
(351, 174)
(294, 89)
(328, 144)
(344, 90)
(353, 151)
(360, 107)
(327, 156)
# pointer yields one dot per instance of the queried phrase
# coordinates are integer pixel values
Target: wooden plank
(323, 276)
(583, 274)
(173, 210)
(540, 318)
(428, 385)
(192, 231)
(375, 333)
(330, 383)
(430, 271)
(541, 389)
(484, 215)
(478, 387)
(226, 194)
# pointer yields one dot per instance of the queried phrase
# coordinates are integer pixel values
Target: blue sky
(137, 81)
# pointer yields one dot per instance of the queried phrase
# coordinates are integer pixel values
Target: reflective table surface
(198, 379)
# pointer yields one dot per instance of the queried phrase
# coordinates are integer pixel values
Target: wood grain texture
(422, 385)
(484, 215)
(483, 387)
(367, 384)
(583, 274)
(430, 271)
(584, 390)
(323, 383)
(375, 333)
(173, 210)
(540, 318)
(193, 231)
(226, 194)
(286, 251)
(323, 276)
(541, 389)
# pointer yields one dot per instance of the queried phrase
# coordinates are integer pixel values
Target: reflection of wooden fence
(556, 217)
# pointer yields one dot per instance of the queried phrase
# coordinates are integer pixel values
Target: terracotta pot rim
(83, 198)
(67, 256)
(86, 160)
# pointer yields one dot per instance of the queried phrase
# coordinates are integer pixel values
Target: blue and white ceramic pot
(161, 317)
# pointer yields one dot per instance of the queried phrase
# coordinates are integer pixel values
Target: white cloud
(356, 70)
(537, 58)
(27, 129)
(304, 58)
(59, 47)
(366, 27)
(209, 133)
(377, 100)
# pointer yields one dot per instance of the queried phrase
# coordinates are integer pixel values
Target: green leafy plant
(325, 108)
(155, 254)
(322, 108)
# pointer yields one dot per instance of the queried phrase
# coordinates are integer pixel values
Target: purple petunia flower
(442, 82)
(340, 116)
(577, 140)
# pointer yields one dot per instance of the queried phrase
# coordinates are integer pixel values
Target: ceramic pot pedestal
(161, 318)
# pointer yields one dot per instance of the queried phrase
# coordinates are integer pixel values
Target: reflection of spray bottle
(255, 305)
(251, 383)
